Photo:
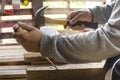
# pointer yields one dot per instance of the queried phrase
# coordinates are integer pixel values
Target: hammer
(40, 19)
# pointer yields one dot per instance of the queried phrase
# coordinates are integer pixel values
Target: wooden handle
(55, 21)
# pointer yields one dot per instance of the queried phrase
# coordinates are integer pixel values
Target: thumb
(26, 26)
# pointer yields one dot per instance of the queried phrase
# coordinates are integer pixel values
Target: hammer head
(39, 18)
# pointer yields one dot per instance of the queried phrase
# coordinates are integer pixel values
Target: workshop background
(18, 64)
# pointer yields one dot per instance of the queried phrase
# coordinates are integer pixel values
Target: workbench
(18, 64)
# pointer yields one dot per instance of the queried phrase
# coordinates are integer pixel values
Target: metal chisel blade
(52, 63)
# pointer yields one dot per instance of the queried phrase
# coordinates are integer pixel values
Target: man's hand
(29, 37)
(79, 15)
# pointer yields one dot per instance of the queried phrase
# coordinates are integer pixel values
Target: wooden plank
(47, 11)
(6, 35)
(67, 72)
(5, 74)
(11, 55)
(16, 18)
(10, 6)
(11, 47)
(14, 67)
(12, 72)
(17, 79)
(12, 60)
(12, 50)
(4, 24)
(36, 58)
(8, 44)
(59, 10)
(16, 71)
(96, 74)
(95, 65)
(33, 57)
(22, 12)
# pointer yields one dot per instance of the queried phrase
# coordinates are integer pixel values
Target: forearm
(83, 47)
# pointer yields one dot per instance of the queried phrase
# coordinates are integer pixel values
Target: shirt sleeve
(85, 47)
(101, 14)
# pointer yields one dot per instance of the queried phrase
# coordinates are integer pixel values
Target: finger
(16, 35)
(82, 27)
(75, 28)
(75, 19)
(71, 15)
(26, 26)
(21, 36)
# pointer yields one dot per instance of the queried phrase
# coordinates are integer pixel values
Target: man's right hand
(79, 15)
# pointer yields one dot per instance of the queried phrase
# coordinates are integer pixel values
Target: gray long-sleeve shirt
(89, 46)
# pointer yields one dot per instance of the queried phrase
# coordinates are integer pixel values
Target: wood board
(37, 59)
(67, 72)
(12, 64)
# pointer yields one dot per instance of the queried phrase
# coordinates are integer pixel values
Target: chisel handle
(87, 24)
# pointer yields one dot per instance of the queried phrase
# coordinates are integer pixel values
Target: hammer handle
(3, 2)
(55, 21)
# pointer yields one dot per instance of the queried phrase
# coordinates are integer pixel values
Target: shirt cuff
(94, 11)
(44, 45)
